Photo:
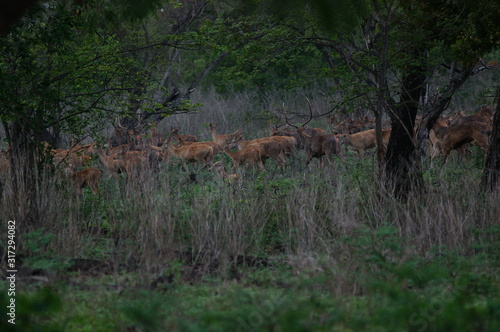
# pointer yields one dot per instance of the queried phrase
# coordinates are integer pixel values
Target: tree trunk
(491, 173)
(401, 173)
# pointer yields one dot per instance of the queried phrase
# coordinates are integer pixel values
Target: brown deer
(319, 146)
(220, 139)
(286, 131)
(125, 135)
(268, 148)
(134, 162)
(155, 138)
(348, 126)
(485, 114)
(115, 166)
(436, 134)
(174, 135)
(71, 159)
(90, 177)
(156, 154)
(89, 149)
(299, 139)
(121, 149)
(220, 169)
(458, 135)
(289, 143)
(365, 140)
(191, 153)
(249, 156)
(182, 138)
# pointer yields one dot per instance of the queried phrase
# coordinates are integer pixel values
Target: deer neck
(102, 157)
(242, 143)
(172, 149)
(214, 134)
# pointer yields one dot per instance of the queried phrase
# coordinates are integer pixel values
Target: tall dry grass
(303, 214)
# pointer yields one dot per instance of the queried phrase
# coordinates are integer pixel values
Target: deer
(121, 149)
(90, 177)
(174, 135)
(365, 140)
(286, 131)
(71, 159)
(183, 138)
(267, 146)
(249, 155)
(355, 126)
(485, 114)
(155, 155)
(289, 143)
(115, 166)
(125, 135)
(457, 136)
(220, 169)
(436, 134)
(220, 139)
(154, 138)
(202, 153)
(348, 126)
(134, 162)
(319, 146)
(299, 139)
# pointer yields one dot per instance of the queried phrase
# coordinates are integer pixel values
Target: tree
(58, 70)
(394, 51)
(491, 172)
(165, 69)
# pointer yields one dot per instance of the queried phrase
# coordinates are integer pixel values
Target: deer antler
(286, 120)
(307, 121)
(119, 124)
(310, 112)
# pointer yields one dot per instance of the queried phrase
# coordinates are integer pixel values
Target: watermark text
(11, 271)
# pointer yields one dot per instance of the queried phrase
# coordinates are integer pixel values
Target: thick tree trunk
(400, 162)
(491, 173)
(401, 173)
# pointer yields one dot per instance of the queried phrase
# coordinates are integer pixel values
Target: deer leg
(445, 156)
(309, 158)
(185, 166)
(321, 162)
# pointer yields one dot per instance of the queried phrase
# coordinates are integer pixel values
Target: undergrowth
(295, 251)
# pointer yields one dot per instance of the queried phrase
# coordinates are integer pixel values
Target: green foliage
(54, 70)
(37, 240)
(399, 291)
(33, 311)
(144, 311)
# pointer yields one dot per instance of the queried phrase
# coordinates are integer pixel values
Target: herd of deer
(447, 134)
